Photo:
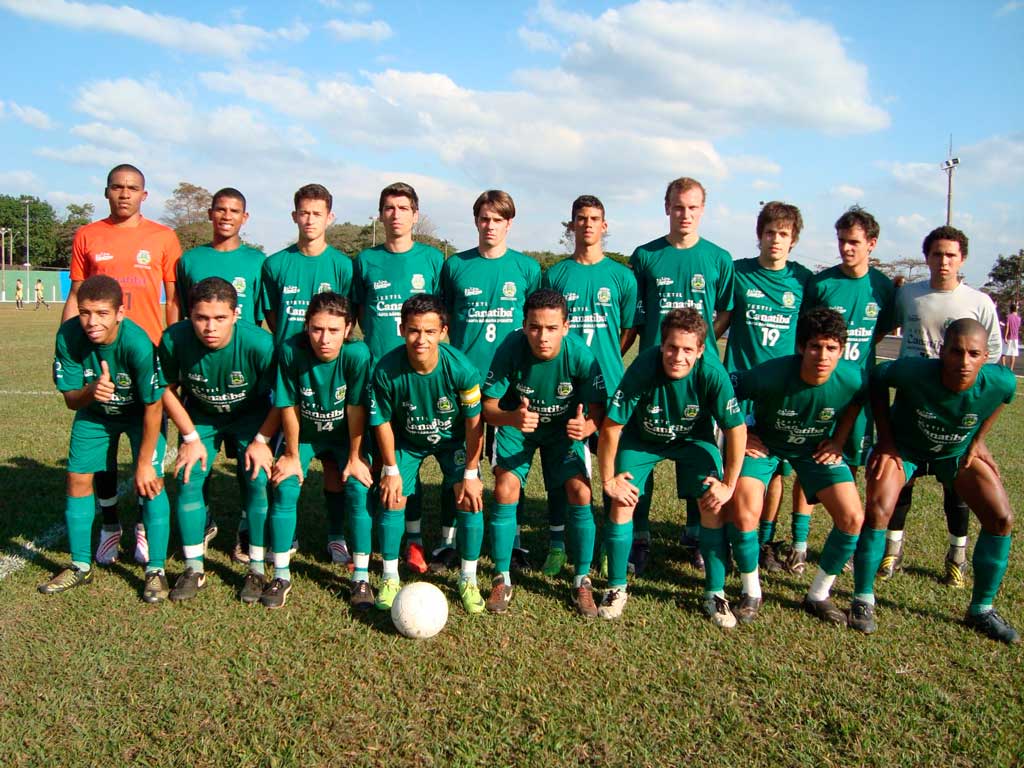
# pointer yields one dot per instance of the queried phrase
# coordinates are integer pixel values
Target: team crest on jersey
(236, 379)
(691, 411)
(460, 457)
(324, 288)
(697, 282)
(444, 405)
(508, 290)
(238, 284)
(826, 414)
(970, 419)
(143, 257)
(604, 295)
(871, 310)
(122, 379)
(418, 282)
(339, 393)
(564, 388)
(788, 299)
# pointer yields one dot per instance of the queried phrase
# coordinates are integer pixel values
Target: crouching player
(663, 409)
(557, 398)
(323, 393)
(107, 369)
(804, 408)
(219, 371)
(427, 397)
(941, 413)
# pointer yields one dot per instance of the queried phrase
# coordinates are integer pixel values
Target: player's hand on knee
(829, 452)
(469, 495)
(147, 483)
(188, 455)
(621, 490)
(285, 467)
(359, 469)
(716, 496)
(978, 451)
(258, 457)
(390, 490)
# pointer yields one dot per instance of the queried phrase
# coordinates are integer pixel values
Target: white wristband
(471, 474)
(391, 471)
(261, 438)
(191, 437)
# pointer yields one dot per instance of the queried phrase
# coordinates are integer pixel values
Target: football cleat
(67, 579)
(717, 610)
(107, 549)
(892, 560)
(276, 593)
(957, 568)
(252, 587)
(613, 603)
(362, 596)
(583, 599)
(747, 609)
(472, 600)
(188, 585)
(862, 617)
(443, 560)
(386, 594)
(141, 545)
(554, 562)
(992, 625)
(414, 558)
(500, 597)
(825, 610)
(155, 589)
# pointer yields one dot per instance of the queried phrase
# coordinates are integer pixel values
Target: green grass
(96, 677)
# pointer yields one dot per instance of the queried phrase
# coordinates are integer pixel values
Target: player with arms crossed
(561, 395)
(427, 397)
(142, 256)
(219, 371)
(323, 391)
(942, 411)
(804, 406)
(663, 409)
(107, 369)
(601, 297)
(383, 278)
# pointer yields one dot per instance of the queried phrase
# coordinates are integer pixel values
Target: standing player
(427, 397)
(769, 290)
(663, 409)
(106, 367)
(601, 299)
(804, 406)
(142, 256)
(219, 373)
(483, 290)
(864, 297)
(19, 294)
(925, 309)
(1011, 338)
(681, 269)
(323, 393)
(942, 411)
(560, 392)
(383, 278)
(40, 291)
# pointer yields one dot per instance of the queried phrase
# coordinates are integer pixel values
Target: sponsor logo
(306, 392)
(418, 282)
(122, 379)
(197, 377)
(381, 284)
(786, 412)
(104, 256)
(617, 397)
(604, 295)
(571, 296)
(665, 281)
(826, 414)
(236, 378)
(691, 411)
(409, 406)
(290, 289)
(970, 419)
(755, 293)
(564, 388)
(471, 291)
(732, 406)
(871, 310)
(599, 383)
(238, 284)
(652, 408)
(339, 393)
(788, 299)
(508, 290)
(697, 282)
(444, 405)
(523, 389)
(143, 257)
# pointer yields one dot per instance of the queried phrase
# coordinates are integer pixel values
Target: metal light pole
(27, 204)
(948, 166)
(3, 263)
(373, 223)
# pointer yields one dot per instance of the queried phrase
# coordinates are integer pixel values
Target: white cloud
(145, 107)
(1010, 7)
(31, 116)
(763, 185)
(913, 222)
(536, 40)
(229, 41)
(18, 182)
(847, 192)
(354, 7)
(112, 137)
(348, 31)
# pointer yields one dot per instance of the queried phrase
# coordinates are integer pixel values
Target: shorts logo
(339, 393)
(444, 405)
(970, 419)
(871, 310)
(122, 379)
(409, 406)
(418, 283)
(143, 257)
(324, 288)
(826, 414)
(433, 439)
(57, 366)
(691, 411)
(788, 299)
(697, 282)
(564, 389)
(460, 457)
(604, 295)
(508, 290)
(238, 284)
(236, 379)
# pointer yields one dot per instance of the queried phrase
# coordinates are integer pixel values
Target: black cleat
(992, 625)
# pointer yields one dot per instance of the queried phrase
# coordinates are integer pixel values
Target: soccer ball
(420, 610)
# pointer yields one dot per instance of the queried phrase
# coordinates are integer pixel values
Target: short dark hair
(778, 211)
(546, 298)
(684, 184)
(228, 192)
(125, 167)
(688, 320)
(398, 189)
(945, 233)
(964, 326)
(101, 288)
(855, 216)
(330, 302)
(213, 289)
(820, 321)
(1013, 307)
(500, 201)
(313, 192)
(423, 304)
(586, 201)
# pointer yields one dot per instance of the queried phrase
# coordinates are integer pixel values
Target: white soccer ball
(420, 610)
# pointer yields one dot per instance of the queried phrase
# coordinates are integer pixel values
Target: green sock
(801, 530)
(584, 531)
(258, 566)
(336, 513)
(557, 503)
(866, 559)
(692, 517)
(712, 547)
(283, 572)
(283, 514)
(642, 512)
(192, 520)
(360, 524)
(390, 527)
(618, 539)
(156, 516)
(991, 555)
(79, 512)
(766, 532)
(838, 548)
(745, 548)
(520, 515)
(503, 532)
(469, 537)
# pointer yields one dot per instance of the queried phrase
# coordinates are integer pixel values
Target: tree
(188, 204)
(75, 216)
(42, 229)
(911, 269)
(351, 238)
(1006, 280)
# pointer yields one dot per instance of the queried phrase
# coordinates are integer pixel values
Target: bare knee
(577, 491)
(506, 487)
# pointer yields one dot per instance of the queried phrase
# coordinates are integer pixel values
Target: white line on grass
(29, 392)
(15, 561)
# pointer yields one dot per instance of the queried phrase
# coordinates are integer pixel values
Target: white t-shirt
(924, 313)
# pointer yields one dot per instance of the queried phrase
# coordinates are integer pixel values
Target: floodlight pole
(3, 263)
(948, 166)
(373, 223)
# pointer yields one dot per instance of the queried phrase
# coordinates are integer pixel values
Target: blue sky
(819, 104)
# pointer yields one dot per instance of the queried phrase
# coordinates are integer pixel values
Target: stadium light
(3, 262)
(948, 166)
(373, 223)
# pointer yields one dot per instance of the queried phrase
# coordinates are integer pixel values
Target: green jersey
(766, 304)
(484, 298)
(670, 278)
(131, 360)
(426, 410)
(382, 281)
(554, 387)
(867, 303)
(241, 267)
(932, 422)
(792, 416)
(322, 389)
(602, 303)
(657, 409)
(218, 386)
(290, 280)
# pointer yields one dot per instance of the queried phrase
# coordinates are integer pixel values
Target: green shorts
(451, 457)
(862, 437)
(944, 470)
(695, 460)
(91, 438)
(561, 459)
(813, 476)
(234, 436)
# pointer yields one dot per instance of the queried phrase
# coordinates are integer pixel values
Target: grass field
(97, 677)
